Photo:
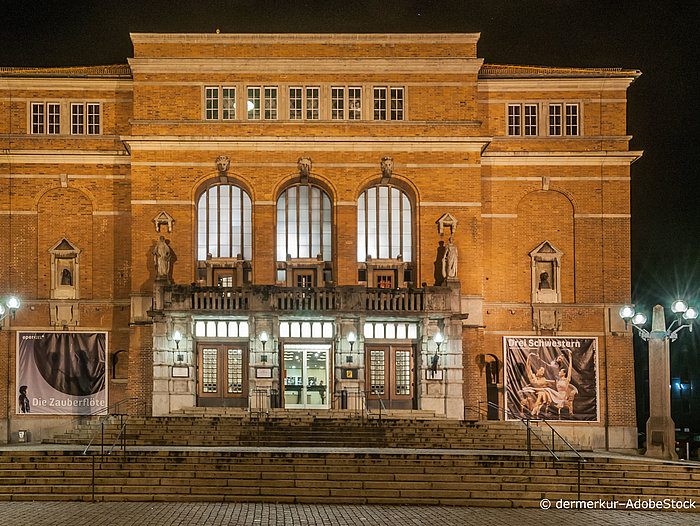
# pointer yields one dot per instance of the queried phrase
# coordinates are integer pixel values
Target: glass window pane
(354, 103)
(281, 229)
(295, 103)
(412, 331)
(369, 330)
(361, 233)
(234, 371)
(377, 371)
(316, 330)
(209, 370)
(221, 329)
(211, 329)
(401, 331)
(284, 329)
(403, 372)
(253, 103)
(233, 329)
(306, 330)
(327, 330)
(295, 327)
(243, 329)
(214, 221)
(202, 227)
(383, 222)
(304, 222)
(407, 248)
(379, 331)
(199, 329)
(390, 332)
(224, 221)
(327, 228)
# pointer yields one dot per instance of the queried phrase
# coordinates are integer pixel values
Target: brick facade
(451, 153)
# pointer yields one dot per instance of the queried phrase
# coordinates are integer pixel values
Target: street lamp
(661, 437)
(351, 341)
(177, 338)
(438, 339)
(263, 339)
(12, 305)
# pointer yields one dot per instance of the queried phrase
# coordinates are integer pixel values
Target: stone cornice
(307, 66)
(58, 84)
(64, 157)
(555, 84)
(362, 143)
(524, 158)
(305, 38)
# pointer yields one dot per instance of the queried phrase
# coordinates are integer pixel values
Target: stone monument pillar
(661, 431)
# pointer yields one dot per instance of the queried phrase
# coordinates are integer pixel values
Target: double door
(305, 376)
(390, 377)
(222, 375)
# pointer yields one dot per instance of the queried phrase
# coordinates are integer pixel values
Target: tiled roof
(113, 71)
(508, 71)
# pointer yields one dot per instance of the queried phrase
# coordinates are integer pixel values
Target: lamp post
(264, 337)
(438, 339)
(177, 338)
(661, 431)
(12, 305)
(351, 341)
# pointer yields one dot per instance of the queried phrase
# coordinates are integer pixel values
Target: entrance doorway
(305, 376)
(391, 377)
(222, 380)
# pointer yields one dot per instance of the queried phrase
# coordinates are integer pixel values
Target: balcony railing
(264, 298)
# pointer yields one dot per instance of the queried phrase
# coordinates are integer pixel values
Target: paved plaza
(254, 514)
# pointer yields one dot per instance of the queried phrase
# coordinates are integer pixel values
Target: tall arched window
(384, 222)
(224, 223)
(304, 223)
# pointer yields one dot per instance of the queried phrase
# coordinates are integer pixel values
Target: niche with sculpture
(545, 265)
(65, 270)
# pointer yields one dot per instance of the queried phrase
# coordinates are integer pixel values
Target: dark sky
(660, 40)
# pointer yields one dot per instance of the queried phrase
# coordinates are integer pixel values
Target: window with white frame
(346, 103)
(224, 223)
(563, 119)
(253, 103)
(53, 118)
(384, 224)
(388, 103)
(572, 127)
(295, 104)
(522, 119)
(270, 103)
(211, 103)
(38, 117)
(228, 103)
(304, 223)
(313, 103)
(85, 118)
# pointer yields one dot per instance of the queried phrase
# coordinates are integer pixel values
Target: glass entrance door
(390, 377)
(306, 376)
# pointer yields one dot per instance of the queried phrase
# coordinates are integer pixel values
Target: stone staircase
(229, 428)
(349, 477)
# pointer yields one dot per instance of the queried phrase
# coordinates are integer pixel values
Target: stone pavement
(254, 514)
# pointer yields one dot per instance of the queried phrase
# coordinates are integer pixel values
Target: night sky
(660, 40)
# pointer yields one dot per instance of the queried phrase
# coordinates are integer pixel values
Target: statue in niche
(544, 282)
(449, 260)
(162, 255)
(66, 278)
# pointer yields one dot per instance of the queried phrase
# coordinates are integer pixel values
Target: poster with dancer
(553, 378)
(61, 373)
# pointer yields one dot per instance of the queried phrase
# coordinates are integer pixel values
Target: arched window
(384, 222)
(304, 223)
(224, 223)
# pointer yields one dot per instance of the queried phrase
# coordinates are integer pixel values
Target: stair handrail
(110, 412)
(259, 392)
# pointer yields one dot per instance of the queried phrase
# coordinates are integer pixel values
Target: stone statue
(544, 282)
(161, 256)
(387, 167)
(222, 164)
(449, 260)
(304, 165)
(66, 278)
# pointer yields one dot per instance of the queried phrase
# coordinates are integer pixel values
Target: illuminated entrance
(305, 376)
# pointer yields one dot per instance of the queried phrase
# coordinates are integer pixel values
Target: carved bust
(222, 164)
(387, 167)
(304, 165)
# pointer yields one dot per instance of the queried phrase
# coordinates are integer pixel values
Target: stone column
(661, 434)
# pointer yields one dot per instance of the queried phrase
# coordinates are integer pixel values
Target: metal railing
(380, 404)
(259, 402)
(528, 422)
(119, 410)
(349, 400)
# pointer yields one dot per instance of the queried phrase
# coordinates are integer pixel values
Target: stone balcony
(344, 299)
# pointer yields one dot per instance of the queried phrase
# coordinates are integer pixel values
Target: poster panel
(555, 378)
(61, 373)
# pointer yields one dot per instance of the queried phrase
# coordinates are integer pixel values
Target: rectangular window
(513, 119)
(354, 104)
(270, 103)
(228, 103)
(253, 103)
(396, 104)
(37, 117)
(337, 103)
(312, 103)
(295, 102)
(93, 118)
(379, 104)
(555, 119)
(211, 101)
(530, 114)
(77, 119)
(53, 118)
(572, 119)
